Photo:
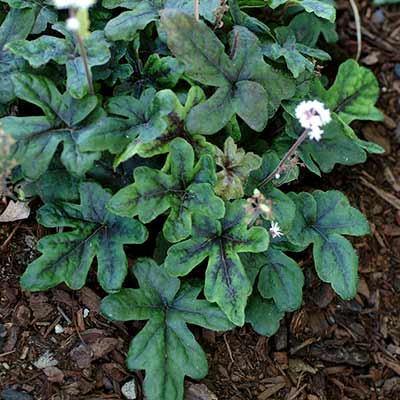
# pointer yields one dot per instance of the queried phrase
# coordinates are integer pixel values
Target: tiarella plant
(170, 137)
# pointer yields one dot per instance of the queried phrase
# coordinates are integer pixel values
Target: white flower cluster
(312, 115)
(60, 4)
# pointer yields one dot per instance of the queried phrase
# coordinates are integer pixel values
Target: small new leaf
(165, 348)
(236, 166)
(68, 256)
(294, 53)
(226, 281)
(185, 191)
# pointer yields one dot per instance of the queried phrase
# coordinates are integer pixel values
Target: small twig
(291, 151)
(61, 311)
(388, 197)
(10, 236)
(357, 21)
(52, 326)
(7, 353)
(84, 56)
(229, 349)
(298, 391)
(196, 10)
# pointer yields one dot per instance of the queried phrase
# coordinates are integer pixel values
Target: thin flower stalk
(82, 50)
(196, 9)
(312, 115)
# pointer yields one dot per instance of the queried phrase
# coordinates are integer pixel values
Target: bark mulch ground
(329, 349)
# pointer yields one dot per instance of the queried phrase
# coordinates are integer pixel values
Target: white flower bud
(72, 24)
(61, 4)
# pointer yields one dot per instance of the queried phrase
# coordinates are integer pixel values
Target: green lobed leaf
(163, 72)
(16, 25)
(185, 191)
(353, 94)
(44, 17)
(68, 256)
(335, 147)
(165, 348)
(226, 281)
(125, 25)
(37, 138)
(263, 315)
(66, 52)
(40, 51)
(54, 186)
(308, 28)
(282, 280)
(294, 53)
(321, 218)
(246, 85)
(321, 8)
(117, 68)
(146, 120)
(128, 23)
(177, 116)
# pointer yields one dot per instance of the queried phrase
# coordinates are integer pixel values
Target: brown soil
(329, 349)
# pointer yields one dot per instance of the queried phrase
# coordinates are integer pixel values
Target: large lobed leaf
(185, 191)
(352, 96)
(322, 218)
(142, 121)
(37, 138)
(65, 51)
(68, 256)
(226, 281)
(246, 85)
(165, 348)
(321, 8)
(176, 114)
(282, 280)
(142, 12)
(17, 25)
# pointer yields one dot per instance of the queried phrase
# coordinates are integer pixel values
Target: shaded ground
(329, 349)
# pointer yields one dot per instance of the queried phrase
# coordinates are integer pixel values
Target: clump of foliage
(171, 139)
